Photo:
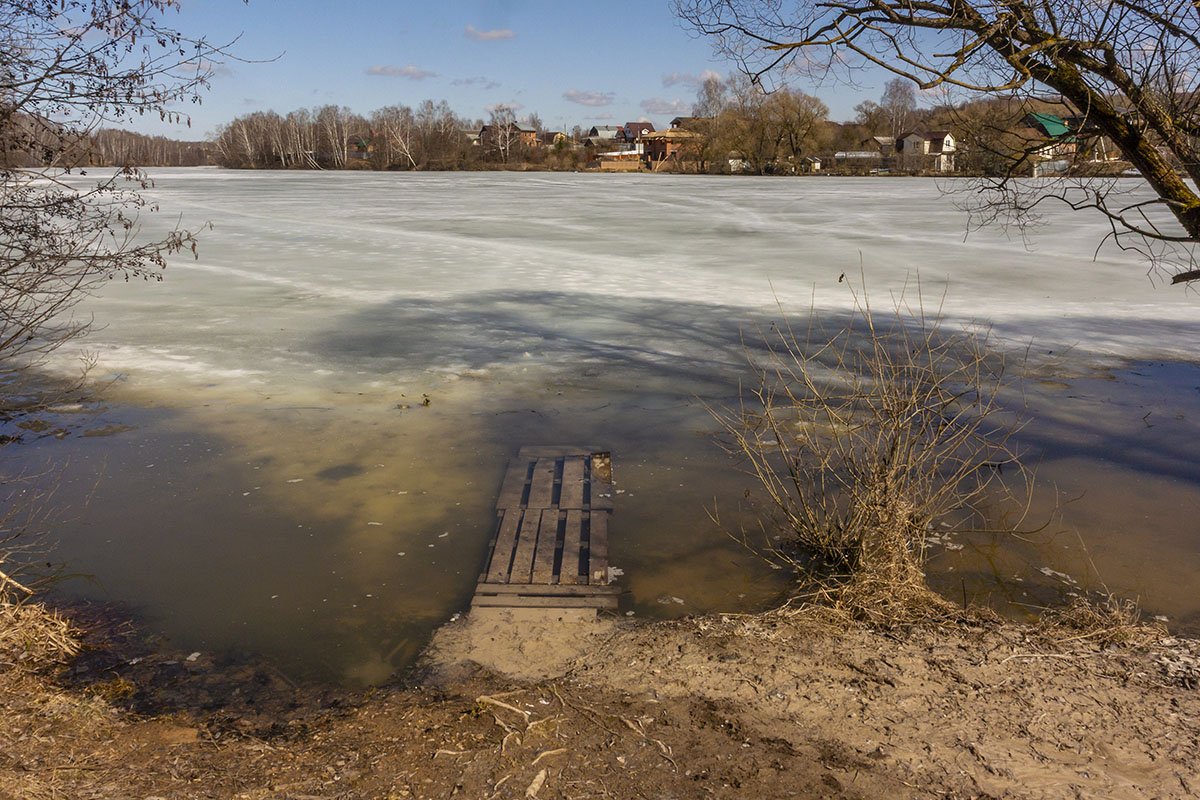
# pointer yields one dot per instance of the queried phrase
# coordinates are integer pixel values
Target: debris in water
(1062, 576)
(193, 656)
(296, 480)
(374, 523)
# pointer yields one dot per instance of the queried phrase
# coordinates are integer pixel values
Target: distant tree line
(396, 137)
(738, 125)
(36, 142)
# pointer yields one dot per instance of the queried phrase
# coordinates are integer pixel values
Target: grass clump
(1104, 620)
(32, 636)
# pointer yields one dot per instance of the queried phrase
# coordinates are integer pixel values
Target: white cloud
(688, 79)
(479, 81)
(658, 106)
(392, 71)
(584, 98)
(489, 36)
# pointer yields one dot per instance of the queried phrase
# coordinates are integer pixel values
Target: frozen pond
(266, 474)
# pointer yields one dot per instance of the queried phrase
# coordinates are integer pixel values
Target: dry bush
(864, 439)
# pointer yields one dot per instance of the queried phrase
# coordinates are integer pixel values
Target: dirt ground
(517, 705)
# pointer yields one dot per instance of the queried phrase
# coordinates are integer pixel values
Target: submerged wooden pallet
(550, 548)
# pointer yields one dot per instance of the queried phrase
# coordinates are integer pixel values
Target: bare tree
(398, 133)
(503, 135)
(66, 68)
(769, 132)
(711, 98)
(898, 103)
(1124, 69)
(871, 117)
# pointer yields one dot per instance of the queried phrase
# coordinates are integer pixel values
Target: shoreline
(777, 704)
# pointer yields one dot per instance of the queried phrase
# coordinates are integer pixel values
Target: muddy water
(1117, 500)
(266, 475)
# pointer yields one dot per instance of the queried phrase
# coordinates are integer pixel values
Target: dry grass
(33, 637)
(864, 440)
(1104, 620)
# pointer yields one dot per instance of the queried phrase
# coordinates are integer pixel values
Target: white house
(932, 150)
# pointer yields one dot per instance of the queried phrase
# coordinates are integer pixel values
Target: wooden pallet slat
(600, 482)
(598, 549)
(541, 489)
(547, 546)
(522, 564)
(537, 601)
(569, 572)
(506, 542)
(512, 491)
(553, 589)
(572, 483)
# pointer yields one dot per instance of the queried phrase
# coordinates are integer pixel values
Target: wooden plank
(602, 467)
(572, 483)
(547, 543)
(522, 601)
(531, 453)
(541, 490)
(522, 566)
(506, 542)
(598, 549)
(512, 489)
(551, 589)
(600, 488)
(569, 572)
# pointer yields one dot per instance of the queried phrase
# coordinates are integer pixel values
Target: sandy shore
(781, 704)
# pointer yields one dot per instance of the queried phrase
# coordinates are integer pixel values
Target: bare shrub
(865, 439)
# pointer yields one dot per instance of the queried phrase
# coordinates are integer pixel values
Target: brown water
(1117, 499)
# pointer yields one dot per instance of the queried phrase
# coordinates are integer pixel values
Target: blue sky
(571, 63)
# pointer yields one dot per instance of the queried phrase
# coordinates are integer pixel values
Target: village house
(885, 146)
(599, 136)
(634, 132)
(1066, 139)
(492, 136)
(930, 151)
(673, 147)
